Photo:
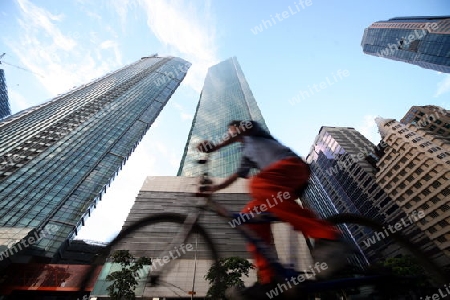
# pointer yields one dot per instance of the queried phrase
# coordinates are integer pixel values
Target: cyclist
(282, 172)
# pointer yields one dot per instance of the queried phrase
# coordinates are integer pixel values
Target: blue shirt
(260, 150)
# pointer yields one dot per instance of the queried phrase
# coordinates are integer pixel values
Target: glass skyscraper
(422, 41)
(226, 96)
(5, 110)
(57, 158)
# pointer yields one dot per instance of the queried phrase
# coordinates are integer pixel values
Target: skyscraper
(344, 181)
(415, 171)
(57, 158)
(225, 96)
(5, 110)
(422, 41)
(333, 188)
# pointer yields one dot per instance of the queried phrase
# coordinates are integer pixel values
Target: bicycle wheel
(429, 266)
(178, 264)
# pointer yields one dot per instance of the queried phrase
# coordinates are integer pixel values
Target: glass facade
(226, 96)
(343, 181)
(56, 159)
(5, 110)
(422, 41)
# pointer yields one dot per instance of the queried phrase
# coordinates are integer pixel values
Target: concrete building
(188, 268)
(415, 171)
(434, 119)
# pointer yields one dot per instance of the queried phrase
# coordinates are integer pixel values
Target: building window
(434, 214)
(427, 177)
(425, 206)
(435, 199)
(426, 192)
(436, 184)
(443, 223)
(441, 239)
(441, 156)
(410, 165)
(445, 207)
(434, 149)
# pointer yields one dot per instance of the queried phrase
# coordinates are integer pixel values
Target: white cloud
(43, 49)
(369, 129)
(186, 116)
(115, 46)
(443, 86)
(17, 101)
(186, 31)
(183, 114)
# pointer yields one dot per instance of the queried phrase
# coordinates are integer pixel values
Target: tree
(403, 265)
(124, 281)
(226, 273)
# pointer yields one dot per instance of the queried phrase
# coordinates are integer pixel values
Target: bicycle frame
(250, 236)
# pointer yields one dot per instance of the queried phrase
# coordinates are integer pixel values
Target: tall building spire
(383, 125)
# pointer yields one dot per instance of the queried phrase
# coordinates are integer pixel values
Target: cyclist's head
(234, 127)
(239, 127)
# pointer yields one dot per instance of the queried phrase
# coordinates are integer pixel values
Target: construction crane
(6, 63)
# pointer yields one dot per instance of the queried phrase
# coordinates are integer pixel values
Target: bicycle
(187, 225)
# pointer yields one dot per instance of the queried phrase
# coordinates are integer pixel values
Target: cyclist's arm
(246, 128)
(228, 181)
(243, 171)
(207, 146)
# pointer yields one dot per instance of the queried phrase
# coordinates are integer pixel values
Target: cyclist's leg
(274, 188)
(264, 271)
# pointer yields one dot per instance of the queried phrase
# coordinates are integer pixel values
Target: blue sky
(64, 44)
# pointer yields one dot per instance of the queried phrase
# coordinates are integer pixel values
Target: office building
(225, 96)
(58, 158)
(344, 181)
(422, 41)
(415, 171)
(5, 109)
